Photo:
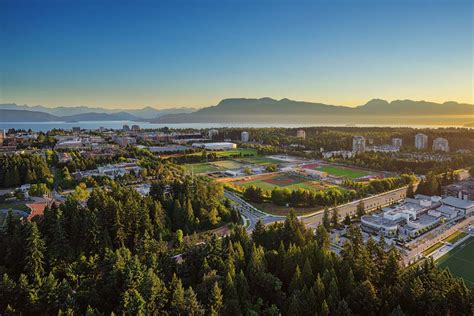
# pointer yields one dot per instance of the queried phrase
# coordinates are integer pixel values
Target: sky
(131, 54)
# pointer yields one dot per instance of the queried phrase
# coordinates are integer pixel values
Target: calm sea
(46, 126)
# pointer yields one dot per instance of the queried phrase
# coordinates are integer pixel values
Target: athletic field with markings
(460, 261)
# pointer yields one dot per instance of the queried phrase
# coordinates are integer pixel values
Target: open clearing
(200, 167)
(236, 152)
(269, 182)
(460, 261)
(262, 160)
(338, 171)
(227, 164)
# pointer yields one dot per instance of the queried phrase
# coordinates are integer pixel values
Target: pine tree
(215, 300)
(177, 299)
(335, 218)
(193, 307)
(410, 190)
(360, 209)
(35, 249)
(326, 221)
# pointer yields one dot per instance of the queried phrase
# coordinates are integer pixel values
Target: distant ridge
(288, 111)
(263, 110)
(145, 113)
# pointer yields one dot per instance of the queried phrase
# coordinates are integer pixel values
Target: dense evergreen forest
(125, 254)
(17, 170)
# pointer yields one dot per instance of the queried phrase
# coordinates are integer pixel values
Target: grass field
(238, 151)
(343, 172)
(281, 181)
(455, 237)
(432, 248)
(262, 160)
(200, 167)
(227, 164)
(460, 261)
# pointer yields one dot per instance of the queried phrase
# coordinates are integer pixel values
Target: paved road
(252, 214)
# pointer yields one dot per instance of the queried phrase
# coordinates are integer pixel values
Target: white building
(397, 142)
(215, 146)
(125, 140)
(421, 141)
(338, 153)
(383, 149)
(358, 144)
(70, 144)
(440, 144)
(244, 137)
(301, 134)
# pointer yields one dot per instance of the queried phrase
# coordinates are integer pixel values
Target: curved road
(252, 214)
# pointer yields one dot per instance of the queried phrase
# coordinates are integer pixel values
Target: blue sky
(194, 53)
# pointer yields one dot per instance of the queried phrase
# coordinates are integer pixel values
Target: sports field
(290, 182)
(460, 261)
(262, 160)
(340, 171)
(227, 164)
(200, 167)
(238, 151)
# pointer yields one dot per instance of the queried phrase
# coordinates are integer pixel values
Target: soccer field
(460, 261)
(281, 181)
(343, 172)
(200, 167)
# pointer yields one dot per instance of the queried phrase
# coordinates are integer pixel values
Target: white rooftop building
(216, 146)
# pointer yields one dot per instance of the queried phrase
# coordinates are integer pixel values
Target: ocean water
(46, 126)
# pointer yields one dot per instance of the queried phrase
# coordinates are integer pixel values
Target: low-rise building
(125, 140)
(338, 153)
(462, 189)
(215, 146)
(408, 219)
(383, 148)
(463, 207)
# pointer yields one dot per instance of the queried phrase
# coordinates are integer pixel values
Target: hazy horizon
(216, 103)
(165, 54)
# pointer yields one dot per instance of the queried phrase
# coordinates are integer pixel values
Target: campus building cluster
(415, 216)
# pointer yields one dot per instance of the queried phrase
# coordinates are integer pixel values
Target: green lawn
(455, 237)
(432, 248)
(227, 164)
(262, 160)
(343, 172)
(460, 261)
(299, 183)
(15, 205)
(200, 167)
(238, 151)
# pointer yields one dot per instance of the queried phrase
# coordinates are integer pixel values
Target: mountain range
(263, 110)
(82, 113)
(267, 110)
